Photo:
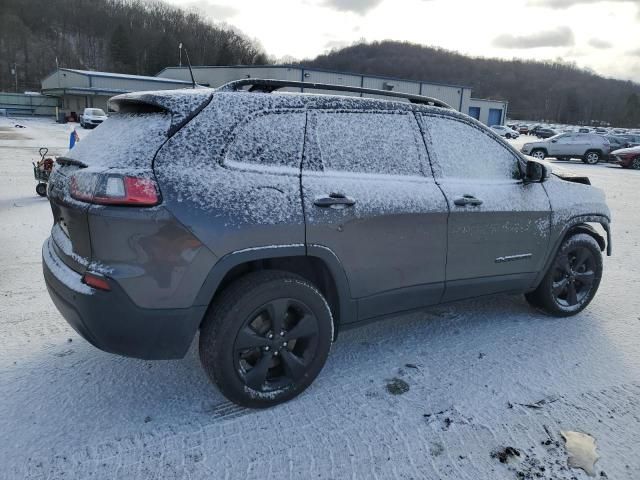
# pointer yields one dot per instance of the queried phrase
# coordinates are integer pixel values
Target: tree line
(551, 91)
(126, 36)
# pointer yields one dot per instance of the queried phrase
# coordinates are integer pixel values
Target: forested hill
(129, 36)
(535, 90)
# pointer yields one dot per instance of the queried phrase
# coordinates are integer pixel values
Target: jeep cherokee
(269, 221)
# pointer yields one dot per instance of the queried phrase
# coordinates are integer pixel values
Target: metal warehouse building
(77, 89)
(490, 112)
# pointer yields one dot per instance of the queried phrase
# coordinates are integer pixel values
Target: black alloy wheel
(572, 280)
(573, 276)
(266, 338)
(274, 347)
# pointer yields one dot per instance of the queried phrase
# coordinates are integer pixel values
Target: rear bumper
(112, 322)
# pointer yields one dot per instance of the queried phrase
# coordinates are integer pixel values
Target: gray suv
(270, 221)
(589, 147)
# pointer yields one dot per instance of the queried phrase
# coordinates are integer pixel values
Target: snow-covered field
(428, 395)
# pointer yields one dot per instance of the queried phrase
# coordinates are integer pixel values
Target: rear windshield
(123, 140)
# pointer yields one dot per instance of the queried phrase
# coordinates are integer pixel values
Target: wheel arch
(315, 263)
(575, 225)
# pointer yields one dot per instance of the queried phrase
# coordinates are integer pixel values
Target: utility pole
(180, 50)
(14, 72)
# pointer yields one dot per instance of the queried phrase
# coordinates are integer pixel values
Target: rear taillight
(114, 189)
(96, 281)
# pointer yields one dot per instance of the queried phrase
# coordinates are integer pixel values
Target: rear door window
(272, 139)
(369, 142)
(461, 150)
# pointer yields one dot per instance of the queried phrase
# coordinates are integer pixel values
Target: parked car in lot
(627, 157)
(545, 133)
(92, 117)
(589, 147)
(616, 142)
(629, 139)
(270, 222)
(505, 132)
(523, 129)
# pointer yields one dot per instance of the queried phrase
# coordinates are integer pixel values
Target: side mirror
(536, 172)
(554, 141)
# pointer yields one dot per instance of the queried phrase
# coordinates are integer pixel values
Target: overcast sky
(601, 35)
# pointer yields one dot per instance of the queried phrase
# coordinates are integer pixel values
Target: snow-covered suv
(589, 147)
(270, 221)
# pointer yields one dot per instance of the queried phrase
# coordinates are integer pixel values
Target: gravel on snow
(475, 390)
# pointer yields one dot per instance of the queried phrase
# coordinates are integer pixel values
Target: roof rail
(269, 85)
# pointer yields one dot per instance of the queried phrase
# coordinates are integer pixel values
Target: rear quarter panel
(229, 208)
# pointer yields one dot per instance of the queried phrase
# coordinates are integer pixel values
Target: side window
(460, 150)
(369, 142)
(274, 139)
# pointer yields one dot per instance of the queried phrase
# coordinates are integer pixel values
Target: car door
(498, 227)
(560, 145)
(370, 198)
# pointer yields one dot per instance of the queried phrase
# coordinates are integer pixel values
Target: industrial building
(77, 89)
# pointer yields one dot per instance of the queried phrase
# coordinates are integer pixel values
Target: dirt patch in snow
(397, 386)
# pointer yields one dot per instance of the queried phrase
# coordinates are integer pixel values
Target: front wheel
(572, 280)
(266, 338)
(538, 154)
(508, 136)
(41, 189)
(636, 164)
(591, 158)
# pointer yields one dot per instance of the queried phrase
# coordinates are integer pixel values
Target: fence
(25, 104)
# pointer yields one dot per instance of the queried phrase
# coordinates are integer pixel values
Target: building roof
(124, 76)
(315, 69)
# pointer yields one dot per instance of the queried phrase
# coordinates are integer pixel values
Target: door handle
(465, 200)
(334, 200)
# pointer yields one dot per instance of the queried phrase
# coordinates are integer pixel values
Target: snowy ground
(481, 375)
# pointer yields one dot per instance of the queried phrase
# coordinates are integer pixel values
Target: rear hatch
(126, 143)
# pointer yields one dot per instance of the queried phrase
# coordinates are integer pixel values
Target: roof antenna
(193, 80)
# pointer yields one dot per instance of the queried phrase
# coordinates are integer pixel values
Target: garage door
(495, 116)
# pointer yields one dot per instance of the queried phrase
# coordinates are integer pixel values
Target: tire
(572, 279)
(539, 154)
(508, 136)
(41, 189)
(242, 334)
(636, 164)
(591, 158)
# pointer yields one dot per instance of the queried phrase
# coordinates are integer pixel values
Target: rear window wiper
(70, 161)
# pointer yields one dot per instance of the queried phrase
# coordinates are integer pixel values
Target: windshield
(98, 112)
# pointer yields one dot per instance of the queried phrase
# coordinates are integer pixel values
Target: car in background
(588, 147)
(617, 142)
(92, 117)
(627, 157)
(505, 132)
(523, 129)
(601, 131)
(630, 139)
(545, 133)
(584, 130)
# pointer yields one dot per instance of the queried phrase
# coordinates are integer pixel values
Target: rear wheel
(636, 164)
(539, 154)
(508, 135)
(572, 280)
(41, 189)
(591, 158)
(266, 338)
